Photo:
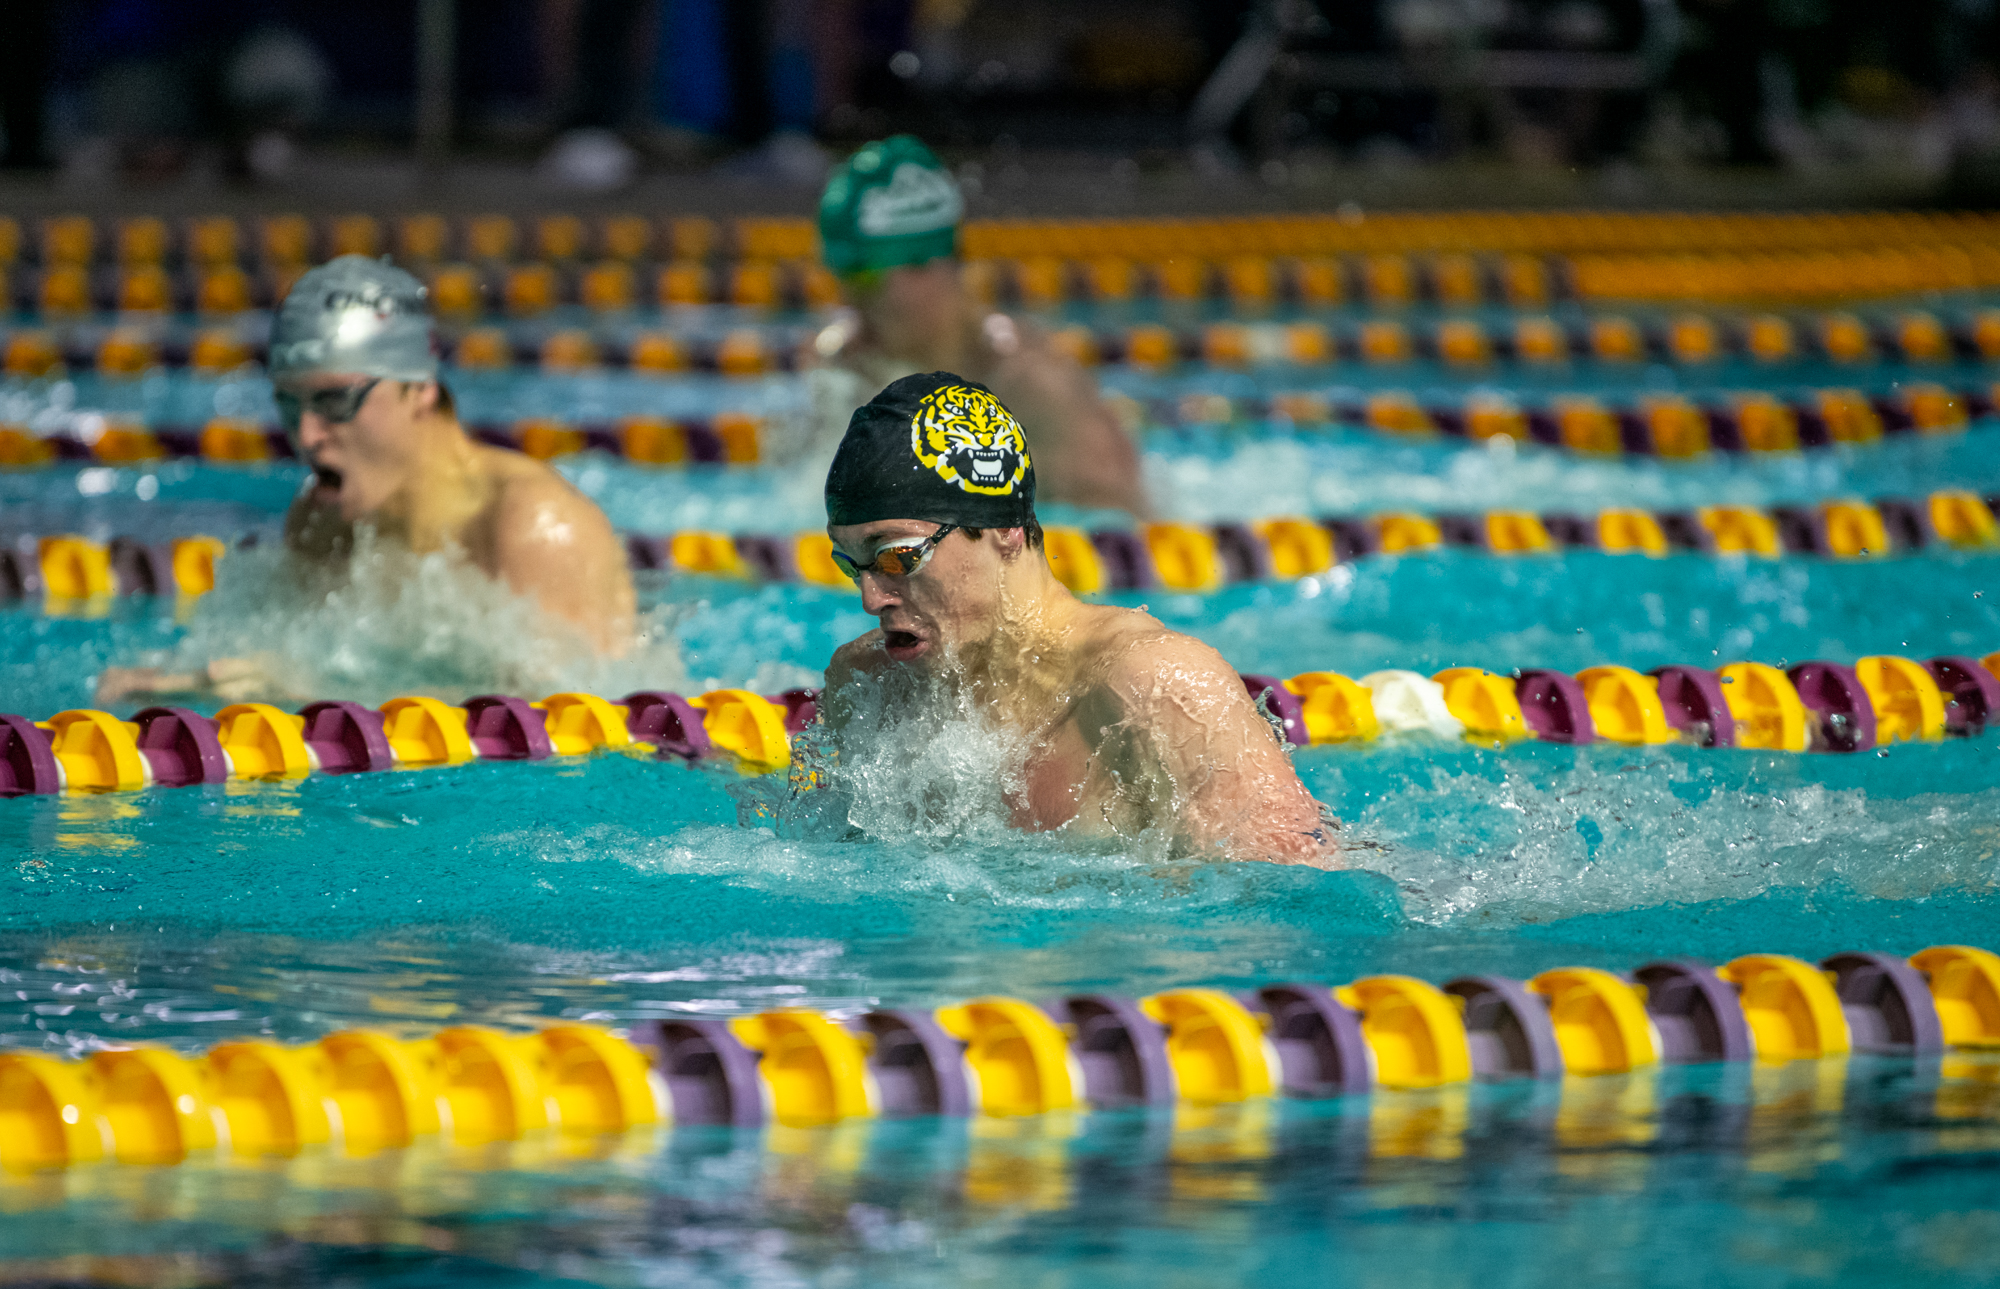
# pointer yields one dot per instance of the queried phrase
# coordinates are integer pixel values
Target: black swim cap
(937, 447)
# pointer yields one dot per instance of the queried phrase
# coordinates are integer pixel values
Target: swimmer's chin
(328, 489)
(341, 495)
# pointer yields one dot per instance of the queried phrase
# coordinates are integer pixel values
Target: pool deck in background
(1045, 184)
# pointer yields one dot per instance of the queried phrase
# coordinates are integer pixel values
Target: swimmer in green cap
(888, 224)
(1124, 727)
(355, 372)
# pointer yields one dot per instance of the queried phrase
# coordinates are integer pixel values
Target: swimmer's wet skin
(1125, 726)
(355, 368)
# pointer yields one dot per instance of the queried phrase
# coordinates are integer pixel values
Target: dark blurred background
(602, 95)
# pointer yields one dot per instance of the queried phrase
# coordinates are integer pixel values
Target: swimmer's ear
(1012, 541)
(429, 394)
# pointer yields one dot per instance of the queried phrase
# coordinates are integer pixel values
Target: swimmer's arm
(314, 531)
(230, 680)
(1236, 791)
(551, 543)
(1045, 386)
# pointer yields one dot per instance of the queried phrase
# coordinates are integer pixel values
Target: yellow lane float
(360, 1091)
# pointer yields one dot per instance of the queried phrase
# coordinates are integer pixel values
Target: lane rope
(73, 575)
(1813, 706)
(365, 1090)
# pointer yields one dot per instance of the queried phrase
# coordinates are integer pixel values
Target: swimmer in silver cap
(356, 377)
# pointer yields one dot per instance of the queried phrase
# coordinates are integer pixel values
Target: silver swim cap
(354, 314)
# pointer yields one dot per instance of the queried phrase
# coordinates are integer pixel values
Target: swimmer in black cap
(1127, 726)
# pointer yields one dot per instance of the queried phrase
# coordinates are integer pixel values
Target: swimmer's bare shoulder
(521, 485)
(1237, 791)
(1090, 457)
(550, 541)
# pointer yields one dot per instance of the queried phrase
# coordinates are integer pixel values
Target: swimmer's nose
(312, 432)
(876, 595)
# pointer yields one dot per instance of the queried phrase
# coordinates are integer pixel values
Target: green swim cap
(892, 203)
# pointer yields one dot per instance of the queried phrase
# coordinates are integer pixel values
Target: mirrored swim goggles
(894, 561)
(342, 403)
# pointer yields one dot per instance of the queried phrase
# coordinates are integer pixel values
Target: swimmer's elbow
(609, 637)
(583, 583)
(607, 621)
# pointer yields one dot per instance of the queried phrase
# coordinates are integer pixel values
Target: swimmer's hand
(232, 680)
(116, 684)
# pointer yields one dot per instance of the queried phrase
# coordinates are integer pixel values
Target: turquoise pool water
(615, 889)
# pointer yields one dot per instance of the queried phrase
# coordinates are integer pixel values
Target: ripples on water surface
(1696, 1176)
(615, 889)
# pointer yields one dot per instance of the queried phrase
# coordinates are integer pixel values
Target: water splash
(1513, 843)
(395, 623)
(916, 762)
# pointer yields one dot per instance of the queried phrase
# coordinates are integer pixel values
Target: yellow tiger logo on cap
(970, 440)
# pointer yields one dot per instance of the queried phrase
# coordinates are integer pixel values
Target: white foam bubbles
(394, 623)
(1623, 829)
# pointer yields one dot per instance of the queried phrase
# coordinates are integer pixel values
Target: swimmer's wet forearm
(229, 679)
(1309, 849)
(116, 684)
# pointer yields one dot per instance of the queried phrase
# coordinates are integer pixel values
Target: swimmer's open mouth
(899, 639)
(329, 478)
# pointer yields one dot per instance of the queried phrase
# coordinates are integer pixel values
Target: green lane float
(360, 1091)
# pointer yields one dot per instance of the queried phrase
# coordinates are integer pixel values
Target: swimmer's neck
(1027, 657)
(446, 488)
